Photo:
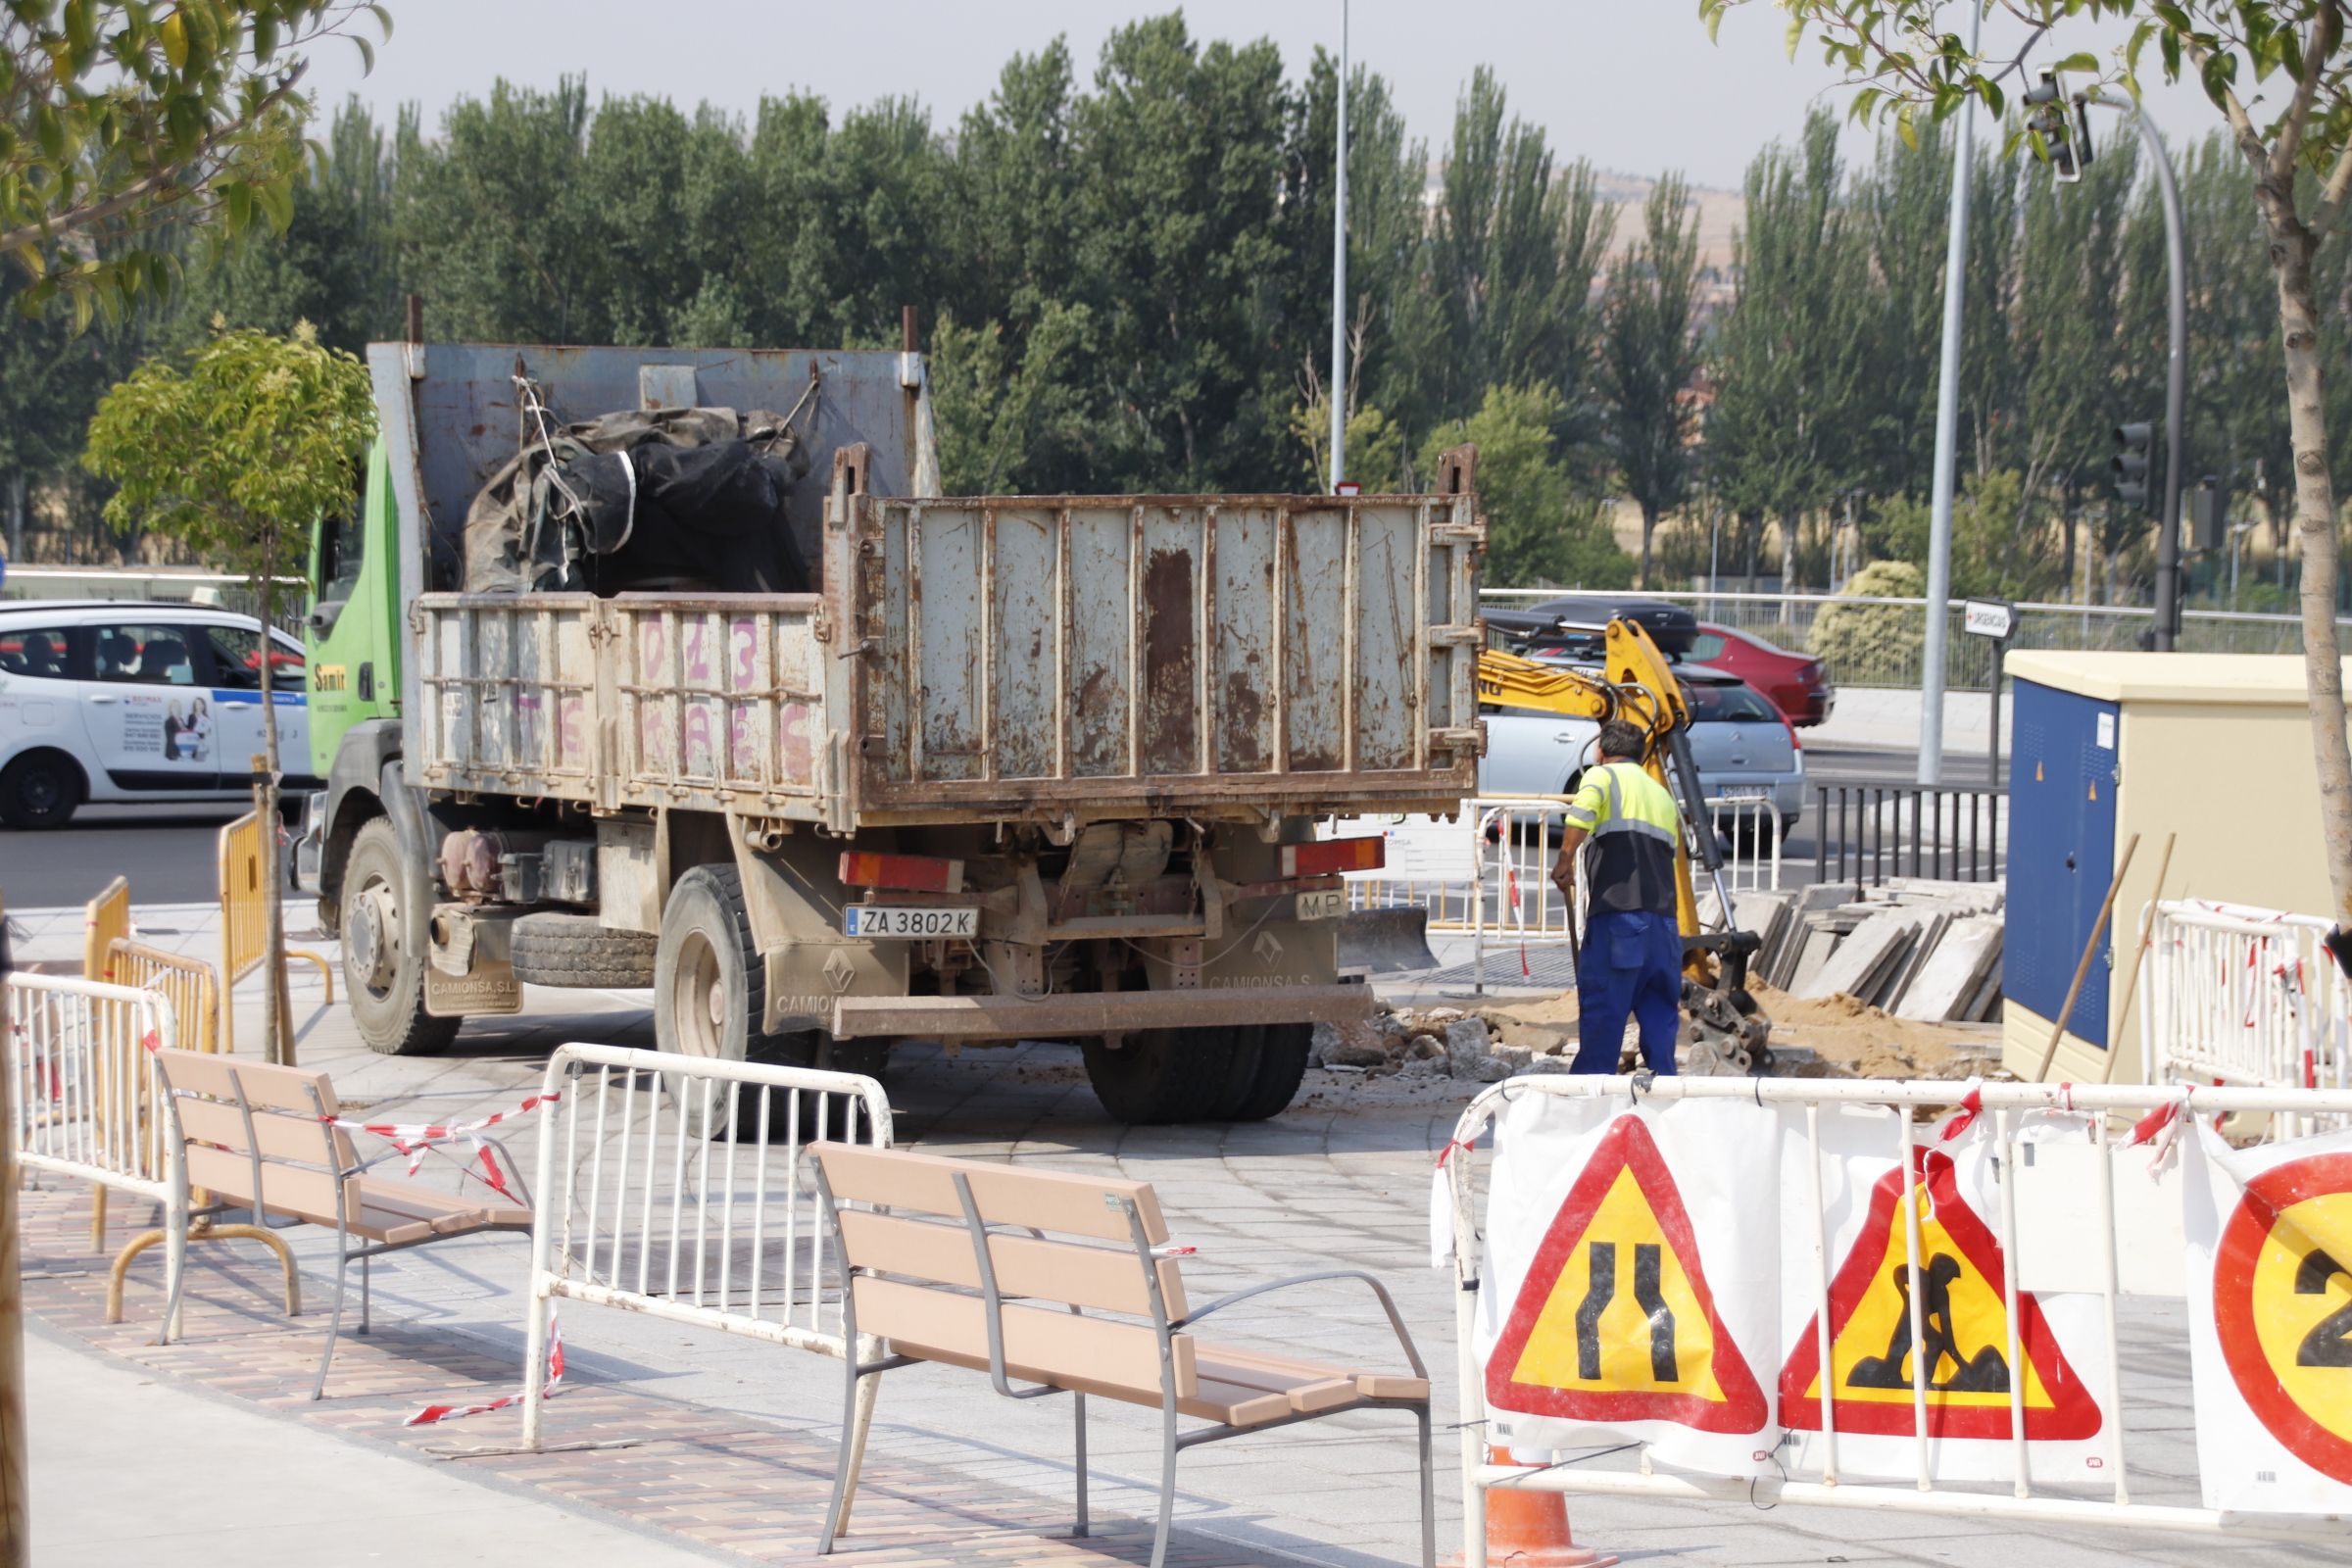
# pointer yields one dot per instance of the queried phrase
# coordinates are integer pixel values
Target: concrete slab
(1861, 956)
(1949, 978)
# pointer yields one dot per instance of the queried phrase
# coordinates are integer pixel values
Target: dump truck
(997, 769)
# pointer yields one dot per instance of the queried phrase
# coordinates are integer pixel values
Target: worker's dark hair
(1621, 737)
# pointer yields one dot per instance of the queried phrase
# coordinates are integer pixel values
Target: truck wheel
(41, 788)
(1282, 1050)
(384, 951)
(1159, 1076)
(579, 950)
(709, 993)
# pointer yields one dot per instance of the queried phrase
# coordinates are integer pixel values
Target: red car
(1797, 685)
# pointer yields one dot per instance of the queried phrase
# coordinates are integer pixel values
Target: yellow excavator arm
(1637, 682)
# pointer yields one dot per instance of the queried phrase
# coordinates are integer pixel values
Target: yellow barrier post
(105, 921)
(244, 932)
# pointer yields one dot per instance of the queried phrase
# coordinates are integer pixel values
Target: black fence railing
(1868, 832)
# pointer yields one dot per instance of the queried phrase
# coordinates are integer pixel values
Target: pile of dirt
(1871, 1043)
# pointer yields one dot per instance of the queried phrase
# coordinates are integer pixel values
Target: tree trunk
(16, 518)
(1788, 524)
(277, 1030)
(1752, 533)
(2291, 247)
(15, 1530)
(1649, 526)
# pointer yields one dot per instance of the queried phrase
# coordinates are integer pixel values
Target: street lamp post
(1947, 439)
(2165, 631)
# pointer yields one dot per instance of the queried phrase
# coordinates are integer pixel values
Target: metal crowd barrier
(2097, 1256)
(84, 1097)
(244, 941)
(2243, 995)
(675, 1187)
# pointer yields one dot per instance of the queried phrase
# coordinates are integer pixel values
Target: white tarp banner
(2269, 1306)
(1973, 1399)
(1652, 1273)
(1629, 1291)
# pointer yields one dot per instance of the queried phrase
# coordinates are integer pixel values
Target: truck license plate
(878, 920)
(1327, 905)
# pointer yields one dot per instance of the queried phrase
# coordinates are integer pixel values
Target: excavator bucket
(1385, 941)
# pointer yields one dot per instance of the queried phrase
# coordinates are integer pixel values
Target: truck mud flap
(1385, 942)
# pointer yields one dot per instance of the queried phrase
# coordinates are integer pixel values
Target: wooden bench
(265, 1138)
(1066, 1282)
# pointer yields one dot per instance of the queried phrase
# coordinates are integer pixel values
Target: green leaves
(236, 450)
(130, 116)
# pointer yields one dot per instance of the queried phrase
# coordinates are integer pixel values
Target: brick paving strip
(710, 1477)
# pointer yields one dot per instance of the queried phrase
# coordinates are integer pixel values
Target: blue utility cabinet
(2064, 775)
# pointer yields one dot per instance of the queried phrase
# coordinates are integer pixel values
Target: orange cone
(1530, 1529)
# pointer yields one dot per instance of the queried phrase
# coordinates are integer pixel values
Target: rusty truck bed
(1055, 658)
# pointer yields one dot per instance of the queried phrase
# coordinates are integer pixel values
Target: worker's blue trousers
(1632, 963)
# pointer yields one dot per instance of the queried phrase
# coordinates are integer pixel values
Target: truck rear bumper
(1093, 1012)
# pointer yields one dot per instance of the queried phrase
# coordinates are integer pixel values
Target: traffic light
(2129, 465)
(2061, 125)
(2209, 514)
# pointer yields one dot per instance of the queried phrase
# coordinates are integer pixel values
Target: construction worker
(1632, 962)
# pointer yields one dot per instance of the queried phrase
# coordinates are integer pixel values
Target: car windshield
(1728, 703)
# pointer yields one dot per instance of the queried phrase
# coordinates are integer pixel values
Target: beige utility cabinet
(2215, 748)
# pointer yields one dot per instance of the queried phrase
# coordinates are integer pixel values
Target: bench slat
(1049, 1200)
(1042, 1347)
(280, 1137)
(288, 1189)
(1370, 1385)
(1103, 1278)
(266, 1086)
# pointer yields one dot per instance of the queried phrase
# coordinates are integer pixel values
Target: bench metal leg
(1167, 1487)
(869, 1389)
(1429, 1509)
(364, 1293)
(1078, 1403)
(334, 1328)
(854, 1395)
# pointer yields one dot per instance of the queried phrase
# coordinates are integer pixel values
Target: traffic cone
(1530, 1529)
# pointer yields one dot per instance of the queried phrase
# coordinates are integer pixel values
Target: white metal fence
(675, 1187)
(84, 1097)
(2046, 1226)
(1896, 658)
(1486, 872)
(2236, 995)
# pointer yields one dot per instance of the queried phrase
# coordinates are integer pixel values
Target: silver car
(1743, 748)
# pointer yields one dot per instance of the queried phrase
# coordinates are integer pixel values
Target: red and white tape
(434, 1414)
(418, 1139)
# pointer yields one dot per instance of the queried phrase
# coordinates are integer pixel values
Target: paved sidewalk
(327, 1498)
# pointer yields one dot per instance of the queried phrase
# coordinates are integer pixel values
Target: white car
(110, 701)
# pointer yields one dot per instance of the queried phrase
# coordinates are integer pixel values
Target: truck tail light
(1332, 856)
(907, 873)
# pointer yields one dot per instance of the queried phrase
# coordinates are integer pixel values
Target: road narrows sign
(2282, 1306)
(1614, 1320)
(1964, 1329)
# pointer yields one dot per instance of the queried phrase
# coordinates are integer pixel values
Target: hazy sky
(1632, 84)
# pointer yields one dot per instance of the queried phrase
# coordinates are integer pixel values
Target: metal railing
(1486, 872)
(2244, 996)
(2067, 1241)
(1896, 659)
(84, 1097)
(676, 1187)
(1867, 832)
